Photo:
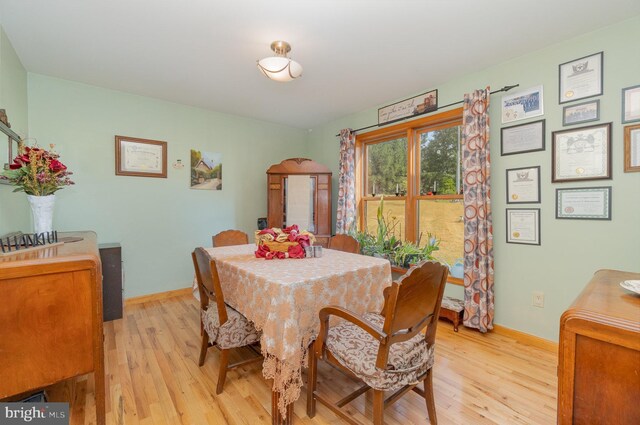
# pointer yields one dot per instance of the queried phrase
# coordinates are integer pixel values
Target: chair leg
(222, 373)
(204, 347)
(428, 396)
(311, 382)
(378, 407)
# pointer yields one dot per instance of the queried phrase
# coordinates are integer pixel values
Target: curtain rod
(505, 88)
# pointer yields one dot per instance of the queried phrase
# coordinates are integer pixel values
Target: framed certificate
(631, 104)
(140, 157)
(632, 148)
(523, 226)
(585, 203)
(581, 78)
(523, 185)
(522, 105)
(581, 154)
(522, 138)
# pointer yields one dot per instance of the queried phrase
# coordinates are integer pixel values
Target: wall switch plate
(537, 299)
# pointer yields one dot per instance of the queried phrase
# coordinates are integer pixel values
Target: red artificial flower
(56, 166)
(296, 251)
(291, 229)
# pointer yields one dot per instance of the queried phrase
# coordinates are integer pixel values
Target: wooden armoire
(319, 195)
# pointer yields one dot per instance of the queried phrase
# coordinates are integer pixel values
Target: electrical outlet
(537, 299)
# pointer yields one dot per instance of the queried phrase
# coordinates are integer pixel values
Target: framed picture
(523, 226)
(632, 148)
(522, 105)
(630, 104)
(140, 157)
(582, 112)
(12, 144)
(523, 185)
(584, 203)
(581, 154)
(581, 78)
(206, 170)
(414, 106)
(522, 138)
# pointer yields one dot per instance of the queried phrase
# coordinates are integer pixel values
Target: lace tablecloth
(283, 297)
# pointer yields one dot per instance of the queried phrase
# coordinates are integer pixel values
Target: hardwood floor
(153, 377)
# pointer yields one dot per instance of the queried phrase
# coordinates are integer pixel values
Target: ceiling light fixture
(280, 67)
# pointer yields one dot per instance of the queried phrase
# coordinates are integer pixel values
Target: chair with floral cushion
(344, 243)
(220, 325)
(387, 351)
(230, 237)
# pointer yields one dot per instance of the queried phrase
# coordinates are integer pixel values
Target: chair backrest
(411, 304)
(230, 237)
(208, 282)
(344, 243)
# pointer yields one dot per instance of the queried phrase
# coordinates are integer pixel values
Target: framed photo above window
(581, 154)
(580, 113)
(522, 138)
(414, 106)
(523, 226)
(522, 105)
(141, 157)
(581, 78)
(631, 104)
(586, 203)
(632, 148)
(523, 185)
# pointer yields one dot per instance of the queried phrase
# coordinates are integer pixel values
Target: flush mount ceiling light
(280, 67)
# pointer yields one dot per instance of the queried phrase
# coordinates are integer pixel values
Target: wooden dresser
(51, 318)
(599, 358)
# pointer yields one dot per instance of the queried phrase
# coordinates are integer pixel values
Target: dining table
(282, 297)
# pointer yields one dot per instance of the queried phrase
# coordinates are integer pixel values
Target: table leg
(276, 416)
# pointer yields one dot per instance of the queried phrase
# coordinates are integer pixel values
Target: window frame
(411, 130)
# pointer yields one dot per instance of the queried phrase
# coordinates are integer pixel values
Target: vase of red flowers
(39, 173)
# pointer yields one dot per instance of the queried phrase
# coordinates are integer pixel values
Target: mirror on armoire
(299, 192)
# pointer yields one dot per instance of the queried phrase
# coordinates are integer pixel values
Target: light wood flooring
(153, 378)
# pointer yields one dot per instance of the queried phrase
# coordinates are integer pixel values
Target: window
(416, 167)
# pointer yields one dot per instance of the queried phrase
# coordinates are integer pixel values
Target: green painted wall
(14, 214)
(157, 221)
(571, 250)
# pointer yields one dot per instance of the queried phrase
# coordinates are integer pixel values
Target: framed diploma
(631, 104)
(522, 105)
(582, 112)
(586, 203)
(581, 78)
(523, 226)
(632, 148)
(522, 138)
(523, 185)
(141, 157)
(581, 154)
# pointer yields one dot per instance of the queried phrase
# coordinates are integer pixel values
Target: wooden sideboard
(51, 318)
(320, 196)
(599, 354)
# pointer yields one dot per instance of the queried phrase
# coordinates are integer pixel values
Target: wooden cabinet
(319, 195)
(599, 358)
(51, 318)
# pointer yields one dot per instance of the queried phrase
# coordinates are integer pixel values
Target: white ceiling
(356, 54)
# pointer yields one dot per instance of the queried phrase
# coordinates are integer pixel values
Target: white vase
(42, 211)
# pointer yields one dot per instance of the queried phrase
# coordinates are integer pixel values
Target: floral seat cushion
(452, 304)
(237, 331)
(357, 350)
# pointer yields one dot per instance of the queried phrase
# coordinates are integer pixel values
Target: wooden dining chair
(344, 243)
(230, 237)
(220, 325)
(387, 351)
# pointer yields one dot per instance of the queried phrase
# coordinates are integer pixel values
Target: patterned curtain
(346, 215)
(478, 228)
